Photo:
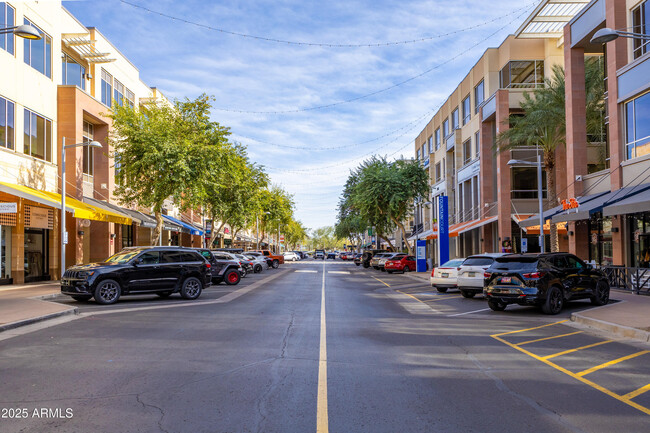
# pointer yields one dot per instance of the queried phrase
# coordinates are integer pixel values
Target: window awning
(549, 18)
(632, 204)
(551, 213)
(114, 208)
(85, 47)
(423, 235)
(77, 208)
(589, 207)
(474, 224)
(187, 227)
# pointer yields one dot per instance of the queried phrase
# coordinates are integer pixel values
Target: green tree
(324, 238)
(543, 123)
(164, 151)
(294, 234)
(276, 209)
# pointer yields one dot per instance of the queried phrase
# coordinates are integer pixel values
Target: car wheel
(467, 293)
(496, 305)
(192, 288)
(383, 269)
(554, 301)
(82, 298)
(601, 297)
(358, 264)
(232, 277)
(390, 272)
(276, 264)
(257, 269)
(243, 272)
(107, 292)
(164, 294)
(441, 289)
(365, 265)
(406, 269)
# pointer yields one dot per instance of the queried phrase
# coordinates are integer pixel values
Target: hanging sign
(8, 207)
(571, 203)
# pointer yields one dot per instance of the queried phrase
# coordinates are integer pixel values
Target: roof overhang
(549, 18)
(81, 44)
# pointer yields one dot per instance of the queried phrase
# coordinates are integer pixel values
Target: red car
(400, 262)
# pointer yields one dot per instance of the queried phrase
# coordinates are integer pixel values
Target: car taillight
(208, 265)
(458, 269)
(537, 274)
(433, 271)
(487, 274)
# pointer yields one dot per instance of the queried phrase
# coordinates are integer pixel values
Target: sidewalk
(627, 318)
(25, 304)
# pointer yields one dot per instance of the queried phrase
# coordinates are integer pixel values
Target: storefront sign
(8, 207)
(571, 203)
(39, 218)
(443, 230)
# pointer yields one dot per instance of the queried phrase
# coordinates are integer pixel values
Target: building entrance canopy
(587, 208)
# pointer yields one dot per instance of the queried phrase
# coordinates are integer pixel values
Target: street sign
(421, 255)
(281, 238)
(443, 229)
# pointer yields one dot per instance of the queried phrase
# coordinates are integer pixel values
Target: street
(396, 357)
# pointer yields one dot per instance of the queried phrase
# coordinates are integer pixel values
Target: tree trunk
(215, 232)
(403, 230)
(379, 235)
(159, 226)
(550, 191)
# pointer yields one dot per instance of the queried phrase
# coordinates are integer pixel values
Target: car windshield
(514, 264)
(122, 257)
(399, 257)
(478, 261)
(452, 263)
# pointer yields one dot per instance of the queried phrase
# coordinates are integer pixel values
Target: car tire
(358, 264)
(554, 301)
(107, 292)
(390, 272)
(82, 298)
(243, 272)
(166, 294)
(232, 277)
(257, 269)
(383, 269)
(406, 269)
(496, 305)
(601, 297)
(441, 289)
(365, 265)
(276, 264)
(467, 293)
(191, 288)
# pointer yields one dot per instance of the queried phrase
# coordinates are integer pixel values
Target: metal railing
(636, 280)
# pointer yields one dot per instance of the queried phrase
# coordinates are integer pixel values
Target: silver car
(381, 263)
(470, 273)
(446, 276)
(259, 262)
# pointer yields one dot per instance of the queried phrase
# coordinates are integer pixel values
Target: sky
(311, 88)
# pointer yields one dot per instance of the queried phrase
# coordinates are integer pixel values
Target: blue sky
(305, 149)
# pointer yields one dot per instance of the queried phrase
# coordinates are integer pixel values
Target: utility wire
(324, 44)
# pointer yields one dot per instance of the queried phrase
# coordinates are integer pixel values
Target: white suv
(470, 273)
(290, 255)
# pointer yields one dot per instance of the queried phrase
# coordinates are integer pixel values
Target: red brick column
(504, 183)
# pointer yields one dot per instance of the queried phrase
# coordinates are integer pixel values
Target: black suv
(545, 280)
(224, 268)
(139, 270)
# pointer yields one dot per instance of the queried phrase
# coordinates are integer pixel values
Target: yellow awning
(77, 208)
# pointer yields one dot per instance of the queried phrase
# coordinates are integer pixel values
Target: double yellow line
(322, 423)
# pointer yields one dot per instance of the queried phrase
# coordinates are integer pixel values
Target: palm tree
(543, 124)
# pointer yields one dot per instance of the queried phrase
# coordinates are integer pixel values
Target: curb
(619, 330)
(32, 320)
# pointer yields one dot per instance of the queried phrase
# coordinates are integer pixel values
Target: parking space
(615, 368)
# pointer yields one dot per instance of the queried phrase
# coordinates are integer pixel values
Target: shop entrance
(36, 255)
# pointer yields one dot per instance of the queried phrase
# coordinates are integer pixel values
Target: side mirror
(589, 267)
(137, 261)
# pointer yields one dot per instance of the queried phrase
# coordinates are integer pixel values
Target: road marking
(638, 392)
(442, 298)
(339, 272)
(322, 424)
(307, 271)
(530, 329)
(548, 338)
(384, 283)
(616, 361)
(469, 312)
(579, 348)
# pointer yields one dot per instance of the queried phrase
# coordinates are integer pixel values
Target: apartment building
(54, 90)
(487, 197)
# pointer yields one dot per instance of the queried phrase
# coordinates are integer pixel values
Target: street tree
(275, 209)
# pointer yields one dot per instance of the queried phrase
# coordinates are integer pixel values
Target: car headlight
(86, 274)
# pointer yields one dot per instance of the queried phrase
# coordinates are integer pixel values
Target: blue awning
(191, 229)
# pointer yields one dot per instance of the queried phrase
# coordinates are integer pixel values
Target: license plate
(471, 274)
(445, 275)
(506, 279)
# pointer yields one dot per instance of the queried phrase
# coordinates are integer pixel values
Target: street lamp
(64, 239)
(24, 31)
(606, 34)
(539, 194)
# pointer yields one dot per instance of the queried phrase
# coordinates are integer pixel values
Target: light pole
(24, 31)
(606, 34)
(539, 194)
(64, 238)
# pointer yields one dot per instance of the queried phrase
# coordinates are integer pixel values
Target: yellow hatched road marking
(569, 373)
(442, 298)
(322, 422)
(638, 392)
(549, 338)
(529, 329)
(610, 363)
(576, 349)
(383, 282)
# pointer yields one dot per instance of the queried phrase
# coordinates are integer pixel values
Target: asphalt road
(395, 357)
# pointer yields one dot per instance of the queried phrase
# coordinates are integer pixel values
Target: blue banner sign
(421, 255)
(443, 229)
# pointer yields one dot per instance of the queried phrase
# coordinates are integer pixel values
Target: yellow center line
(383, 282)
(529, 329)
(576, 349)
(442, 298)
(548, 338)
(610, 363)
(322, 423)
(638, 392)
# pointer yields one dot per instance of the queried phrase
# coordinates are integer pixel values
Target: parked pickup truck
(277, 259)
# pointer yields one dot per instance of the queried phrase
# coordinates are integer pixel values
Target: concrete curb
(613, 328)
(32, 320)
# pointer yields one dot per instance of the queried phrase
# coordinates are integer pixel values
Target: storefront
(601, 249)
(639, 225)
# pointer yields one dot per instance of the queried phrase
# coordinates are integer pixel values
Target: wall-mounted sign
(39, 218)
(571, 203)
(8, 207)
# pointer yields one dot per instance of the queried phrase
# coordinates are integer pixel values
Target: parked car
(301, 254)
(259, 262)
(343, 255)
(368, 255)
(245, 262)
(277, 259)
(544, 280)
(269, 260)
(290, 256)
(400, 263)
(470, 273)
(139, 270)
(319, 254)
(374, 261)
(331, 255)
(358, 259)
(381, 263)
(224, 268)
(446, 276)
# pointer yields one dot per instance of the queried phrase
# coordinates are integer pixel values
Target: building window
(38, 136)
(522, 74)
(118, 93)
(7, 113)
(438, 139)
(38, 53)
(467, 151)
(445, 128)
(640, 19)
(89, 152)
(524, 183)
(417, 155)
(466, 110)
(479, 96)
(454, 119)
(430, 144)
(438, 172)
(72, 73)
(477, 143)
(7, 40)
(637, 126)
(107, 88)
(130, 98)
